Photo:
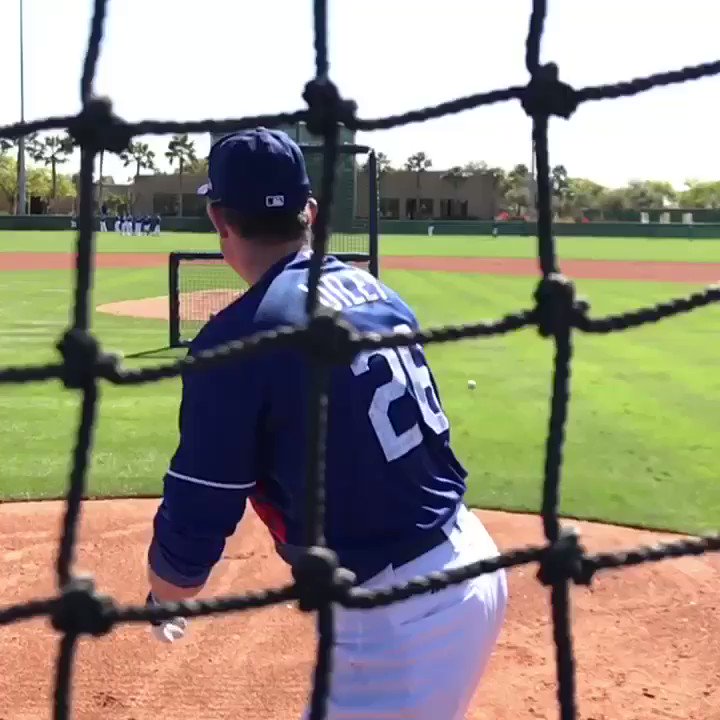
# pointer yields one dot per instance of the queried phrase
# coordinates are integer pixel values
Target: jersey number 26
(405, 375)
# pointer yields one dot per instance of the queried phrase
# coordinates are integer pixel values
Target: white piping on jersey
(208, 483)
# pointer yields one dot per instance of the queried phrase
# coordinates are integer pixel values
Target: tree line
(51, 152)
(571, 195)
(514, 187)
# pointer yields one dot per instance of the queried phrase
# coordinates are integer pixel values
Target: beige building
(406, 195)
(113, 193)
(61, 205)
(160, 195)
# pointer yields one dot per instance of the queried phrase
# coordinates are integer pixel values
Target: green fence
(592, 229)
(420, 227)
(700, 215)
(62, 222)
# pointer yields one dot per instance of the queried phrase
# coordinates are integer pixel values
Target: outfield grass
(643, 435)
(580, 248)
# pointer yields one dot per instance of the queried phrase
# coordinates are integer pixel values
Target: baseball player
(103, 218)
(394, 507)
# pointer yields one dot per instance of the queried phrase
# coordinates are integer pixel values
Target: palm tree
(198, 166)
(7, 145)
(519, 189)
(181, 149)
(475, 167)
(100, 179)
(53, 151)
(456, 176)
(141, 155)
(101, 176)
(418, 163)
(383, 162)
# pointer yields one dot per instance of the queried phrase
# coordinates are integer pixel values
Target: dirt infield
(65, 261)
(193, 306)
(581, 269)
(646, 638)
(198, 305)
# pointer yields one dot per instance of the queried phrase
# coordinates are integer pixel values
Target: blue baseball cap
(256, 172)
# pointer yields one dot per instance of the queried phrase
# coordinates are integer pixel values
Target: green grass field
(448, 245)
(644, 430)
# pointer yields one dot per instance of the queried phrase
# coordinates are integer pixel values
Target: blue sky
(226, 58)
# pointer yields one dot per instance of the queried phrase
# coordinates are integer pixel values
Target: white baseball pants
(422, 658)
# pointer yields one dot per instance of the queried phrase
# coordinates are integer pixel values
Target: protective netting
(205, 285)
(318, 582)
(355, 240)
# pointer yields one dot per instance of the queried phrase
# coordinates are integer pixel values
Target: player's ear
(311, 209)
(217, 218)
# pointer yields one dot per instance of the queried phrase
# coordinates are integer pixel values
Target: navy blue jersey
(390, 475)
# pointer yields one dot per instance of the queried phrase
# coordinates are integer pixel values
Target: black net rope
(319, 584)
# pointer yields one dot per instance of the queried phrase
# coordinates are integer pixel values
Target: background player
(103, 217)
(394, 486)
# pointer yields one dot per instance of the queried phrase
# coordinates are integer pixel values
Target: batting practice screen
(350, 232)
(201, 284)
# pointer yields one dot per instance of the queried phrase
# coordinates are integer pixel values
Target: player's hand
(167, 631)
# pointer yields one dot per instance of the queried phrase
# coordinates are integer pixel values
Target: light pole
(22, 180)
(532, 181)
(532, 157)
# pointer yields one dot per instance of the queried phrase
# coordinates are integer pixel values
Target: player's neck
(258, 260)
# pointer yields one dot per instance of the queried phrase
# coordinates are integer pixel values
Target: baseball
(471, 384)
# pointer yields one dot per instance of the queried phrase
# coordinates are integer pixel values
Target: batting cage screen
(353, 238)
(353, 230)
(201, 283)
(77, 609)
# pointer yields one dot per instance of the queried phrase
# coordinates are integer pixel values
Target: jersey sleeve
(212, 473)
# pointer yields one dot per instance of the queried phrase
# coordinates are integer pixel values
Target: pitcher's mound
(646, 638)
(198, 305)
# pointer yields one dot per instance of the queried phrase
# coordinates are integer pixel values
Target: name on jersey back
(347, 288)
